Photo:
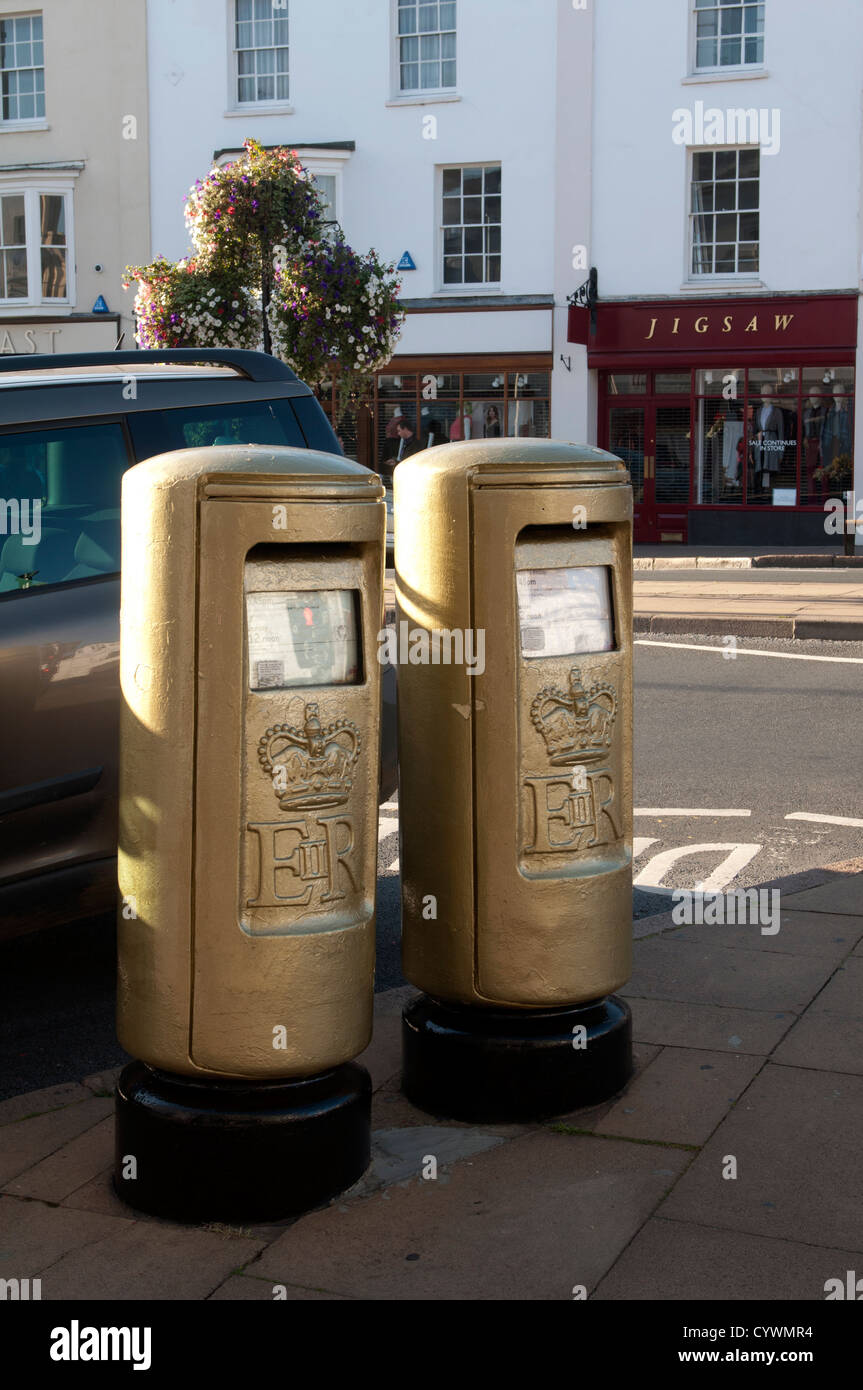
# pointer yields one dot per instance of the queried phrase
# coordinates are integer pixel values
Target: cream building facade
(74, 172)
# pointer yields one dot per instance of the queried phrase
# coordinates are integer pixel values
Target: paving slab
(383, 1057)
(588, 1117)
(829, 1035)
(149, 1261)
(98, 1195)
(27, 1142)
(678, 1261)
(77, 1163)
(528, 1220)
(667, 968)
(102, 1081)
(797, 1136)
(40, 1102)
(400, 1154)
(35, 1236)
(844, 895)
(242, 1288)
(711, 1026)
(681, 1097)
(824, 934)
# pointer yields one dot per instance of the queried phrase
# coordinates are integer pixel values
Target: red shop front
(734, 416)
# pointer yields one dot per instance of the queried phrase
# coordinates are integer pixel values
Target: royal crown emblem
(576, 725)
(311, 766)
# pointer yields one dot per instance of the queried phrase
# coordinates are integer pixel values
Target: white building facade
(432, 133)
(726, 236)
(74, 172)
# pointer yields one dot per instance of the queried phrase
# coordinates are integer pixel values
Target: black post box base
(239, 1150)
(498, 1065)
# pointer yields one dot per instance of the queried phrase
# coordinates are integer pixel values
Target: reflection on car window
(60, 504)
(247, 422)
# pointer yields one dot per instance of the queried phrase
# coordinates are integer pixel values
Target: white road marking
(389, 806)
(739, 855)
(684, 811)
(393, 868)
(825, 820)
(387, 825)
(641, 842)
(748, 651)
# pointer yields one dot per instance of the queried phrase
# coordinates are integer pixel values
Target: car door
(59, 663)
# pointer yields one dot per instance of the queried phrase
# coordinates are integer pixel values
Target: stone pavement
(749, 1048)
(790, 606)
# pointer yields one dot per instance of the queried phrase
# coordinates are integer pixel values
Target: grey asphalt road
(770, 735)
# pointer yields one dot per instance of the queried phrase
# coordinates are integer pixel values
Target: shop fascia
(19, 339)
(701, 323)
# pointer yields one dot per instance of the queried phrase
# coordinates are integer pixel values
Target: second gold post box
(513, 573)
(251, 605)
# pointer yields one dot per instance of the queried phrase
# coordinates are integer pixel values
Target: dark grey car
(69, 428)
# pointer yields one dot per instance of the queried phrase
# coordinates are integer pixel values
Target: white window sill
(28, 307)
(720, 282)
(461, 291)
(423, 99)
(259, 108)
(24, 125)
(735, 75)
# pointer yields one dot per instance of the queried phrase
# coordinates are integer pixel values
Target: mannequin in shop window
(769, 440)
(814, 416)
(837, 438)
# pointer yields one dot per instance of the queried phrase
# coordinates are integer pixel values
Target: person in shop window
(491, 427)
(408, 442)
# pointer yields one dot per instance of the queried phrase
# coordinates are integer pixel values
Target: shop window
(728, 35)
(724, 218)
(470, 228)
(774, 436)
(627, 383)
(426, 45)
(22, 70)
(35, 261)
(672, 383)
(261, 51)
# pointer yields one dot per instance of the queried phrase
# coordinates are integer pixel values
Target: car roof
(40, 387)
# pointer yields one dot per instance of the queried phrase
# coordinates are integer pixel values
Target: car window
(60, 504)
(245, 422)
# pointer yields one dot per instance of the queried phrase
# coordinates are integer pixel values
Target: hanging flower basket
(335, 314)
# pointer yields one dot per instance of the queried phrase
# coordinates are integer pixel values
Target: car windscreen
(60, 504)
(272, 422)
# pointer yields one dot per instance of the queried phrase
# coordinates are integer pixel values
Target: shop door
(653, 439)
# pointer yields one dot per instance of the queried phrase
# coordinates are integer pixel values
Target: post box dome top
(250, 461)
(504, 461)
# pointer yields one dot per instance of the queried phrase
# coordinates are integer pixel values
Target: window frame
(27, 122)
(33, 187)
(465, 287)
(235, 107)
(742, 69)
(722, 277)
(418, 95)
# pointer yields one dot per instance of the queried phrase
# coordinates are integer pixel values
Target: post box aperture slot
(565, 611)
(303, 637)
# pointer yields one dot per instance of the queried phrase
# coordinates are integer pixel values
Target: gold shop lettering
(781, 323)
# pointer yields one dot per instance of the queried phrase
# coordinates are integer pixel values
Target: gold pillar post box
(251, 607)
(515, 735)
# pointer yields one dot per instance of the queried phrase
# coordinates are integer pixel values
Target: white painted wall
(94, 78)
(571, 414)
(810, 190)
(340, 86)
